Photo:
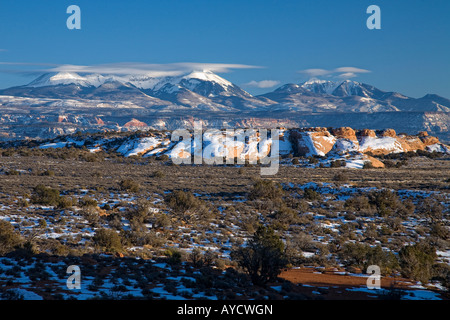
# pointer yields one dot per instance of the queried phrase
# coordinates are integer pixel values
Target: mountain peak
(319, 86)
(68, 78)
(316, 80)
(55, 78)
(207, 75)
(350, 88)
(350, 81)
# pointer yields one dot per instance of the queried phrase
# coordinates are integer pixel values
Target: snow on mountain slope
(438, 147)
(205, 90)
(390, 144)
(320, 86)
(190, 80)
(344, 146)
(350, 88)
(284, 145)
(314, 142)
(66, 78)
(140, 147)
(250, 145)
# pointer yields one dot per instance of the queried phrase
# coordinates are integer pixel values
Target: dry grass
(217, 181)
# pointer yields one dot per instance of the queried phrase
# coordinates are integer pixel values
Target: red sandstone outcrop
(344, 133)
(389, 133)
(367, 133)
(135, 123)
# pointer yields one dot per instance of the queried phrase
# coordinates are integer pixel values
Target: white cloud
(133, 68)
(341, 72)
(347, 75)
(315, 72)
(351, 69)
(262, 83)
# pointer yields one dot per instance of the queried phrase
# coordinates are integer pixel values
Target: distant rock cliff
(351, 147)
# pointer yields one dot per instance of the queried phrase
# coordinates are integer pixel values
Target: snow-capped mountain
(204, 86)
(205, 83)
(202, 90)
(320, 86)
(318, 95)
(206, 95)
(205, 90)
(71, 78)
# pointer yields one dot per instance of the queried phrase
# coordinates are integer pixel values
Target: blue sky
(410, 54)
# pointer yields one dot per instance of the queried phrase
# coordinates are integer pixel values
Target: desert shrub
(91, 215)
(313, 160)
(311, 194)
(114, 221)
(45, 196)
(12, 172)
(431, 208)
(389, 163)
(9, 238)
(296, 245)
(23, 203)
(441, 272)
(368, 165)
(55, 247)
(87, 201)
(163, 157)
(394, 223)
(386, 260)
(196, 257)
(8, 152)
(416, 261)
(143, 238)
(249, 223)
(161, 221)
(47, 173)
(265, 189)
(91, 157)
(357, 203)
(158, 174)
(440, 231)
(65, 202)
(11, 294)
(385, 201)
(283, 217)
(140, 211)
(362, 255)
(401, 163)
(350, 216)
(129, 185)
(431, 155)
(107, 240)
(42, 223)
(341, 177)
(209, 258)
(295, 161)
(337, 163)
(185, 204)
(406, 208)
(263, 257)
(173, 256)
